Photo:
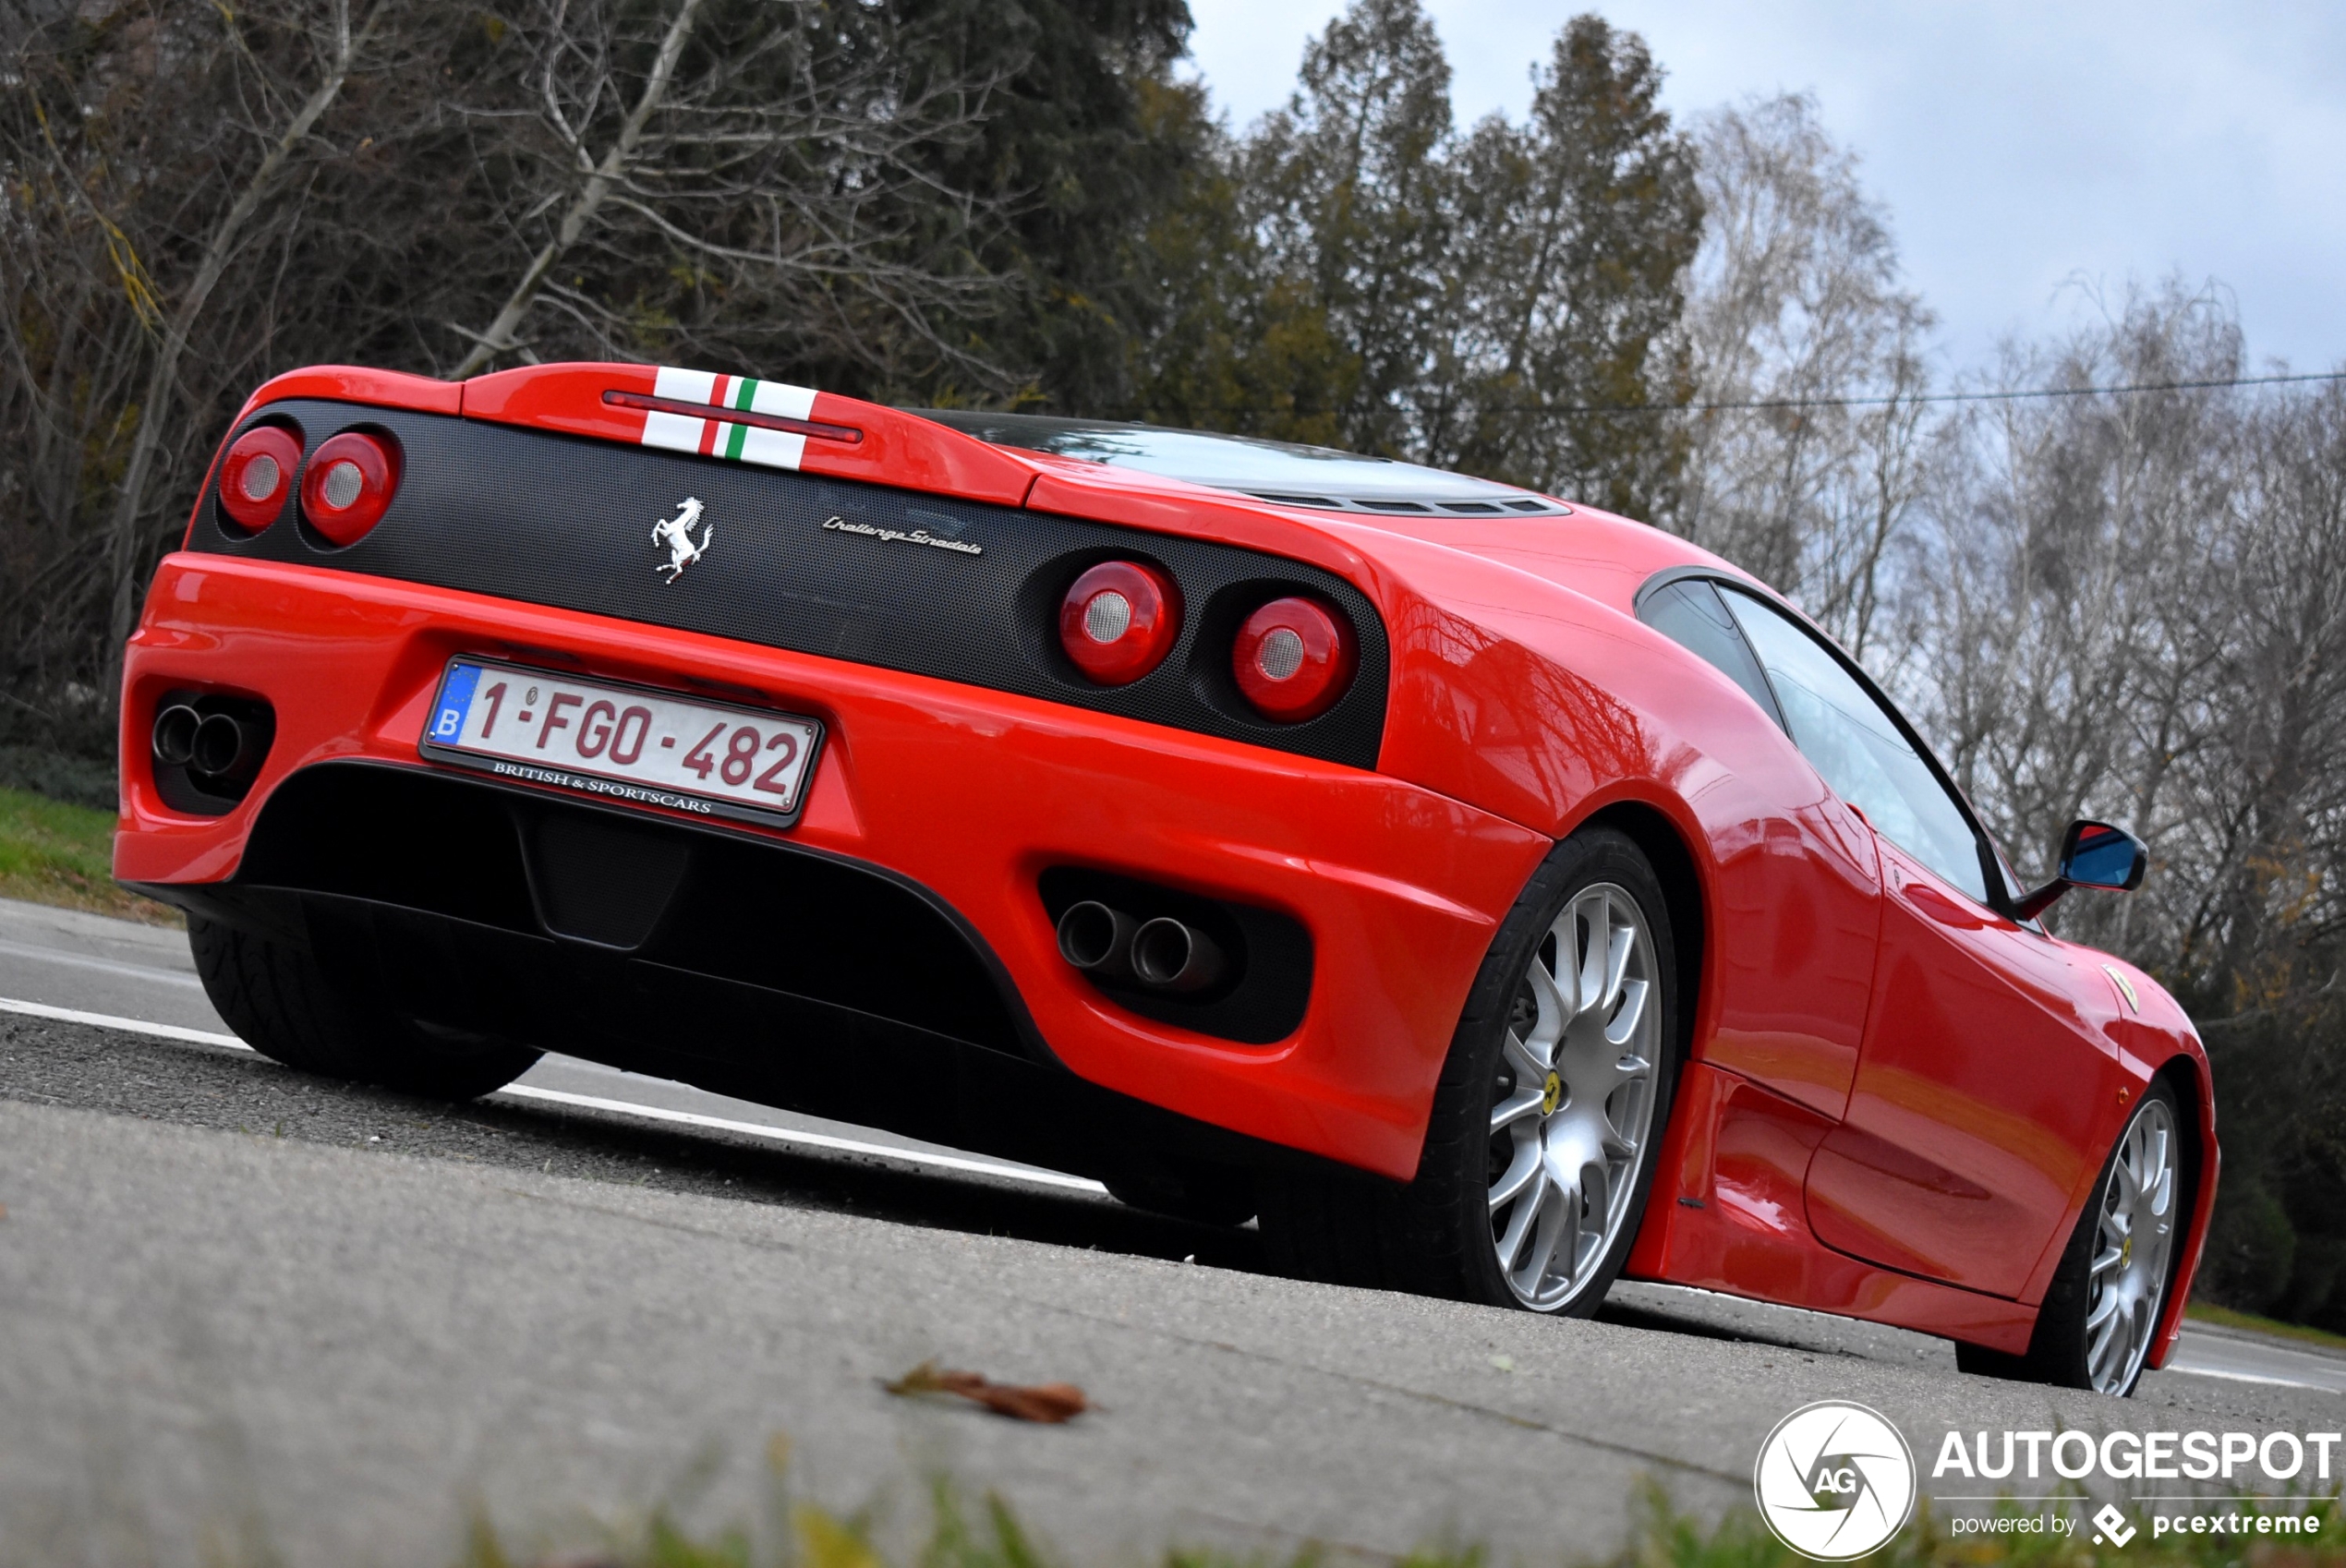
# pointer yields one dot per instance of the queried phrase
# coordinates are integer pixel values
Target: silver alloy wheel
(1573, 1105)
(2126, 1282)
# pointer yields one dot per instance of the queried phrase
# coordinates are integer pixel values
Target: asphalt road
(237, 1303)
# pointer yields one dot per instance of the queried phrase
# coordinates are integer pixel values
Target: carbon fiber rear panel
(565, 521)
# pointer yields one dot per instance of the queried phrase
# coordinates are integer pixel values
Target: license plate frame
(667, 714)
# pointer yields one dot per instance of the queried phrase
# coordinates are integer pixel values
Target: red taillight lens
(1119, 621)
(348, 485)
(1293, 660)
(258, 475)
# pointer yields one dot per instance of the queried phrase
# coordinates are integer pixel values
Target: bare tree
(778, 156)
(337, 47)
(1796, 303)
(603, 174)
(148, 149)
(2085, 591)
(2135, 607)
(194, 196)
(2129, 604)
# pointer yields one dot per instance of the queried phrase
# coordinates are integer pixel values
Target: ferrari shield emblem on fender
(675, 534)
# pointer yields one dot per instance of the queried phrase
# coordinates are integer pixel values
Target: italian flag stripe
(745, 391)
(722, 437)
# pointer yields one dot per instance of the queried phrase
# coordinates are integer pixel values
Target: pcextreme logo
(1834, 1480)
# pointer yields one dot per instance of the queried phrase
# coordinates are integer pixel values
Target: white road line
(134, 1026)
(809, 1140)
(619, 1107)
(784, 1136)
(2243, 1378)
(110, 966)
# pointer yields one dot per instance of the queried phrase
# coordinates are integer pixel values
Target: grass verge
(56, 852)
(2225, 1317)
(1666, 1540)
(802, 1534)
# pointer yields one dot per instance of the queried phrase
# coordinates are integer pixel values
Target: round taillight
(1119, 621)
(348, 485)
(258, 475)
(1293, 660)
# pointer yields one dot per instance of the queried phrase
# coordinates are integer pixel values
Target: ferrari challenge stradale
(1493, 895)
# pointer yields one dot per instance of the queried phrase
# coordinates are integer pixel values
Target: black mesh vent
(564, 521)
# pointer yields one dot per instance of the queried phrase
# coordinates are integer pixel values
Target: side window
(1689, 614)
(1858, 746)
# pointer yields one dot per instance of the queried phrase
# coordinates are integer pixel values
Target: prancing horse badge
(676, 533)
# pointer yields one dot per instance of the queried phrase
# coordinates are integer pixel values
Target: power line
(1955, 397)
(1758, 404)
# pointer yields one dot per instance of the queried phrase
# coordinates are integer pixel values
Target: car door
(1972, 1120)
(1980, 1095)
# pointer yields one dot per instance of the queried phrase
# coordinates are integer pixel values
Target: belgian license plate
(623, 743)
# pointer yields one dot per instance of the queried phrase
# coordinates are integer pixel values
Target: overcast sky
(2015, 146)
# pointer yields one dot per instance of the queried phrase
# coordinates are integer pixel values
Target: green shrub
(2252, 1248)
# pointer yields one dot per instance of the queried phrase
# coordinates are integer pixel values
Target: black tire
(2057, 1346)
(283, 1004)
(1435, 1235)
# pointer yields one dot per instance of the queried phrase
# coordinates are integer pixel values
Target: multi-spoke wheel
(1550, 1109)
(2102, 1311)
(1572, 1102)
(2134, 1234)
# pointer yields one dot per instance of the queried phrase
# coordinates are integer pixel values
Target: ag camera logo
(1834, 1480)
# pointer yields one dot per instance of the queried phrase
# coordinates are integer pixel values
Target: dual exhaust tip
(213, 744)
(1163, 954)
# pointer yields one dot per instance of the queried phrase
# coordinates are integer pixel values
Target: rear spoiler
(781, 426)
(771, 424)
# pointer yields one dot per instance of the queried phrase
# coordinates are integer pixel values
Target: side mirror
(2093, 854)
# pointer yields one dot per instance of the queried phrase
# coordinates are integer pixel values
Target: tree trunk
(499, 337)
(162, 378)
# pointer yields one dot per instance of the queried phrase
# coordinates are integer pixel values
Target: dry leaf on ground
(1048, 1403)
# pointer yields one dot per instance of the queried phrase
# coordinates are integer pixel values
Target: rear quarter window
(1690, 615)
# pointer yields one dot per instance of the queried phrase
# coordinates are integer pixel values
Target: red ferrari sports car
(1493, 895)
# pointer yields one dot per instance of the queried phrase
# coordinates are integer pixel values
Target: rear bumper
(965, 794)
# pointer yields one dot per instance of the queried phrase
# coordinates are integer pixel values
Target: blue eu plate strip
(455, 701)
